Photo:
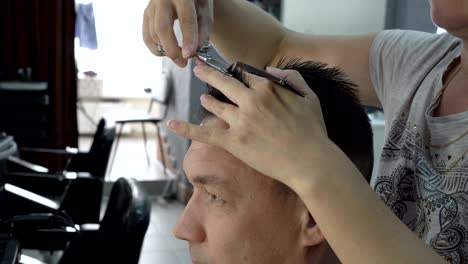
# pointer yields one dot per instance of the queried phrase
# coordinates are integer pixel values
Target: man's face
(237, 215)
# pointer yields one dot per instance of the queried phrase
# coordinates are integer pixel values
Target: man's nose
(189, 227)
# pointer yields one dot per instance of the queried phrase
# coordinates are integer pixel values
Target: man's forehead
(209, 164)
(205, 164)
(203, 179)
(204, 152)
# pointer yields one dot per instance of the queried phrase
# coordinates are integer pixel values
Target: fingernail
(198, 70)
(180, 62)
(275, 71)
(204, 98)
(173, 124)
(198, 62)
(187, 51)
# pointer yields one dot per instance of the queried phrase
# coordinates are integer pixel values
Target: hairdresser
(416, 209)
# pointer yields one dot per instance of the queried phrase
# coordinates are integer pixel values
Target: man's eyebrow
(208, 180)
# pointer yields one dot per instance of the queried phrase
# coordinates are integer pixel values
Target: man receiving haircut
(238, 215)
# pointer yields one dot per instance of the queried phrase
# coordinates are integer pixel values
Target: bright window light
(122, 59)
(441, 30)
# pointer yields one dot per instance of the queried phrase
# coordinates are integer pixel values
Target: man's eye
(214, 198)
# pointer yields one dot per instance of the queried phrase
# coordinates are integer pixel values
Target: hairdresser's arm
(358, 225)
(242, 31)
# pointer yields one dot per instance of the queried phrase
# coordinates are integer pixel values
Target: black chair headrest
(128, 209)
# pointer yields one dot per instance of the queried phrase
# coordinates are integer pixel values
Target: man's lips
(196, 259)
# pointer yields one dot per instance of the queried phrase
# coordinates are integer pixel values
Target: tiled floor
(160, 245)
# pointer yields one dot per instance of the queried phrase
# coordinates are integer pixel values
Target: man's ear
(311, 233)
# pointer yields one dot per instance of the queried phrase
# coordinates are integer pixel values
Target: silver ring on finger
(160, 48)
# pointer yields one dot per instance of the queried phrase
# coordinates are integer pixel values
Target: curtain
(40, 34)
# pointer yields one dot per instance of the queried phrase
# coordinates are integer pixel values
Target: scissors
(207, 55)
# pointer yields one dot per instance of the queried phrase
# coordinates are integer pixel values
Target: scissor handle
(237, 67)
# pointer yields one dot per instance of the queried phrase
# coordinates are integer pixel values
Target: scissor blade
(213, 61)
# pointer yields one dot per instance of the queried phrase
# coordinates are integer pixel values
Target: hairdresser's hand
(272, 130)
(195, 18)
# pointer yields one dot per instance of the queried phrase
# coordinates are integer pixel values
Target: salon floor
(160, 246)
(130, 159)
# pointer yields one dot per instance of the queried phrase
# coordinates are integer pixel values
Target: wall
(340, 17)
(344, 17)
(183, 104)
(414, 14)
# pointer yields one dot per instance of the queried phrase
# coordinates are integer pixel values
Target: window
(122, 61)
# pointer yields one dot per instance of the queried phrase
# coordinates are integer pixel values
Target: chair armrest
(33, 197)
(89, 227)
(25, 259)
(36, 175)
(37, 221)
(65, 151)
(69, 175)
(49, 239)
(27, 165)
(20, 167)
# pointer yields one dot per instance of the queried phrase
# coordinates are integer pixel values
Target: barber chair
(9, 250)
(120, 234)
(50, 229)
(94, 161)
(82, 179)
(117, 238)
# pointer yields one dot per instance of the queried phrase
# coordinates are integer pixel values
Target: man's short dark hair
(347, 122)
